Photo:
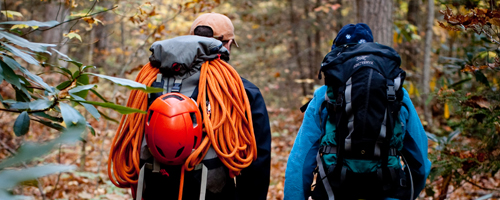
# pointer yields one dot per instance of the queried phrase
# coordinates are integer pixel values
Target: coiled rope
(228, 125)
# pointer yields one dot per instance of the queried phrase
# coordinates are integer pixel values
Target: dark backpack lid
(340, 62)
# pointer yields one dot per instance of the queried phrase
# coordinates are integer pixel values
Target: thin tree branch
(481, 187)
(13, 152)
(144, 44)
(56, 101)
(58, 176)
(59, 9)
(5, 8)
(70, 20)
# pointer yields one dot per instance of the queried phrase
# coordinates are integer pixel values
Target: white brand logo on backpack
(348, 36)
(362, 61)
(361, 58)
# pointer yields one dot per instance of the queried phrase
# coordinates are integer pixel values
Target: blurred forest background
(61, 99)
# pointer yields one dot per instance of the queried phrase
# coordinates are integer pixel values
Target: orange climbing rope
(227, 123)
(126, 144)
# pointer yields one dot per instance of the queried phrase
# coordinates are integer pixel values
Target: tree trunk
(58, 12)
(410, 53)
(317, 43)
(378, 15)
(296, 47)
(310, 30)
(427, 63)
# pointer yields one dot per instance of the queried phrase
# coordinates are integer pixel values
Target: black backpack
(359, 154)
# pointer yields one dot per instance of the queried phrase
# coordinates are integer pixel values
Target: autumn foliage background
(282, 44)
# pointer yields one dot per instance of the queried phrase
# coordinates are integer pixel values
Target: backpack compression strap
(324, 178)
(389, 118)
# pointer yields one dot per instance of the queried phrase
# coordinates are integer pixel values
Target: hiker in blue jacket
(302, 159)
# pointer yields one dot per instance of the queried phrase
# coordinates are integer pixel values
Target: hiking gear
(302, 159)
(363, 132)
(221, 26)
(353, 34)
(228, 125)
(253, 181)
(123, 161)
(185, 54)
(173, 128)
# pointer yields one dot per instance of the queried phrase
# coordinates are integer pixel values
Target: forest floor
(90, 180)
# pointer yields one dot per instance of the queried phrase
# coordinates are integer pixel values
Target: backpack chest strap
(333, 150)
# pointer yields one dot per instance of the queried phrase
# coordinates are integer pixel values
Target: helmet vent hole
(195, 140)
(179, 152)
(193, 119)
(160, 151)
(150, 115)
(173, 96)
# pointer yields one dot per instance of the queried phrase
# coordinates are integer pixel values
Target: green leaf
(432, 137)
(457, 84)
(10, 76)
(61, 54)
(83, 79)
(453, 134)
(13, 63)
(22, 124)
(73, 35)
(92, 130)
(50, 124)
(63, 85)
(99, 95)
(11, 14)
(78, 64)
(90, 108)
(108, 117)
(22, 95)
(86, 66)
(26, 57)
(70, 115)
(33, 23)
(66, 71)
(488, 196)
(40, 104)
(481, 78)
(72, 133)
(81, 88)
(120, 109)
(1, 74)
(20, 106)
(12, 177)
(47, 116)
(36, 47)
(153, 89)
(29, 150)
(130, 84)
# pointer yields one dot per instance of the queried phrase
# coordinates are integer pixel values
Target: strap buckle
(391, 93)
(338, 102)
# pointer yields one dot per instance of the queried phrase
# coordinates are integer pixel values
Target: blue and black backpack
(359, 154)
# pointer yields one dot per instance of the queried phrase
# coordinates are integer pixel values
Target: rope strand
(228, 125)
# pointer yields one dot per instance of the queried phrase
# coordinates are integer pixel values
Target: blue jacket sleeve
(415, 145)
(253, 182)
(302, 158)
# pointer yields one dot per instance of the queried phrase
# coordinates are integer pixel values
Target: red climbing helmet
(173, 128)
